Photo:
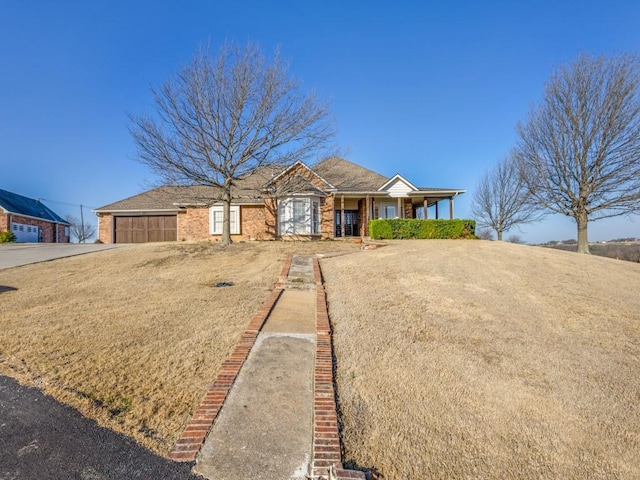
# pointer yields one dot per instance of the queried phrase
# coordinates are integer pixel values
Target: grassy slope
(472, 359)
(133, 336)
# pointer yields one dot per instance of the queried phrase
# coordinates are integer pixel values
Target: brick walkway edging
(190, 442)
(326, 452)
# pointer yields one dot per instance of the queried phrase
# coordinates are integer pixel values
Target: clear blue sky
(430, 90)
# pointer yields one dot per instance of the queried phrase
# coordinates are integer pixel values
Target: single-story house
(30, 220)
(331, 199)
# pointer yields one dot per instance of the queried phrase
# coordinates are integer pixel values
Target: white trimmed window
(216, 217)
(388, 210)
(299, 216)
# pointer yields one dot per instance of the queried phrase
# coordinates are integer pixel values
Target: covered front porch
(352, 212)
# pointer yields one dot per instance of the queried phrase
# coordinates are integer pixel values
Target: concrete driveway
(17, 254)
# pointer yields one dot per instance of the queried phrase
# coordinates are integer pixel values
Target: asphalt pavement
(42, 439)
(18, 254)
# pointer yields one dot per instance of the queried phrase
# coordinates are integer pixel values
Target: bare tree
(221, 118)
(485, 234)
(579, 150)
(515, 239)
(501, 200)
(80, 230)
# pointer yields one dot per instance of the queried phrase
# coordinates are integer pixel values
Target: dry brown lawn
(474, 359)
(133, 336)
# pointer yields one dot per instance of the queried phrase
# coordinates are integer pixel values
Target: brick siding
(47, 229)
(105, 227)
(193, 224)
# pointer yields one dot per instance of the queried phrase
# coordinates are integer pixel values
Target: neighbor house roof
(19, 205)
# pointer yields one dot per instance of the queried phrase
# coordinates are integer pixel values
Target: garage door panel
(155, 229)
(171, 228)
(149, 228)
(123, 229)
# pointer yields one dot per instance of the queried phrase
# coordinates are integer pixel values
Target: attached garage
(145, 228)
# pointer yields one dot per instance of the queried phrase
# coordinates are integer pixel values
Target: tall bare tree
(221, 118)
(80, 230)
(579, 150)
(501, 200)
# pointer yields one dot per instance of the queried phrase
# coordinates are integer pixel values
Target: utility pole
(82, 224)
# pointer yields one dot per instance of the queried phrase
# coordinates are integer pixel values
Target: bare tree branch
(80, 230)
(220, 119)
(501, 199)
(579, 150)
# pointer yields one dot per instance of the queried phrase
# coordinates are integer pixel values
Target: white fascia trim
(359, 194)
(190, 204)
(35, 218)
(116, 213)
(304, 195)
(397, 176)
(430, 193)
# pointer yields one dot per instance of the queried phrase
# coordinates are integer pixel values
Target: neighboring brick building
(30, 220)
(334, 198)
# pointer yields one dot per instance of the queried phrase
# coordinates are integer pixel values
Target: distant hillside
(629, 251)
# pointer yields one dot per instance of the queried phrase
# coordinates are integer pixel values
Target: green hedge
(400, 228)
(7, 237)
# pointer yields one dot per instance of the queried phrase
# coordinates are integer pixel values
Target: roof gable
(29, 207)
(294, 169)
(397, 186)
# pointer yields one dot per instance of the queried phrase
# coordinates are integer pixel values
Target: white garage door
(25, 233)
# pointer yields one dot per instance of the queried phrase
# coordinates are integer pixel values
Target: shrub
(7, 237)
(405, 228)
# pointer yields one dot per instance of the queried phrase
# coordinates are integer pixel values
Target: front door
(351, 225)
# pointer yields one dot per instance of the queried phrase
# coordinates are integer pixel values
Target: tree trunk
(499, 232)
(226, 217)
(583, 239)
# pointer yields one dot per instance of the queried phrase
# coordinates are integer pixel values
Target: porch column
(451, 208)
(342, 216)
(426, 206)
(437, 216)
(400, 208)
(367, 216)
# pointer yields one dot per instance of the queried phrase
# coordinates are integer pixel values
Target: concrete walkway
(18, 254)
(265, 428)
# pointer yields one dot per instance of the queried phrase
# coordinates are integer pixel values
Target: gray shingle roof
(300, 185)
(247, 191)
(347, 176)
(20, 205)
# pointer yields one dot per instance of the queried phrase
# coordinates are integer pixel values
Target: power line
(66, 203)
